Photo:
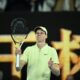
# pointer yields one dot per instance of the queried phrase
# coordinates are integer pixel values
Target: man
(43, 5)
(64, 5)
(77, 5)
(3, 4)
(41, 59)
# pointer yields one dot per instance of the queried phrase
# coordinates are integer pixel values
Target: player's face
(40, 36)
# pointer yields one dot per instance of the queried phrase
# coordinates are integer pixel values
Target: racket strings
(19, 31)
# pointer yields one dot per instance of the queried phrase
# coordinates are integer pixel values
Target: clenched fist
(50, 63)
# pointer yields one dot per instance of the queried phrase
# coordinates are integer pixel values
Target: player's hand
(50, 63)
(18, 51)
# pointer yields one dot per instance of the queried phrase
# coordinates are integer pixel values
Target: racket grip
(17, 60)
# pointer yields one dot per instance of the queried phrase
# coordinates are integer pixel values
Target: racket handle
(17, 60)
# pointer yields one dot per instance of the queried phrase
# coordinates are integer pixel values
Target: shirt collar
(43, 48)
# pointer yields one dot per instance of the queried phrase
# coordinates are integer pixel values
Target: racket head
(19, 30)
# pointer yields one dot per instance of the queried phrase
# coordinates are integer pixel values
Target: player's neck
(41, 45)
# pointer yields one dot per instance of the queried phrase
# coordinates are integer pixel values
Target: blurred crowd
(39, 5)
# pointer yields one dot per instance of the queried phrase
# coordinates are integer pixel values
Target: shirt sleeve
(54, 56)
(25, 55)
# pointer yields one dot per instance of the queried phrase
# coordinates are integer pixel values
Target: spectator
(43, 5)
(3, 4)
(64, 5)
(77, 5)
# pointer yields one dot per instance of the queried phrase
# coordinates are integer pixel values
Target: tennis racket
(19, 32)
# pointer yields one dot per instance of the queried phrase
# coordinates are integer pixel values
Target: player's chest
(39, 57)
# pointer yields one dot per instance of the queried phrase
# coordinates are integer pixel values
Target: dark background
(52, 21)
